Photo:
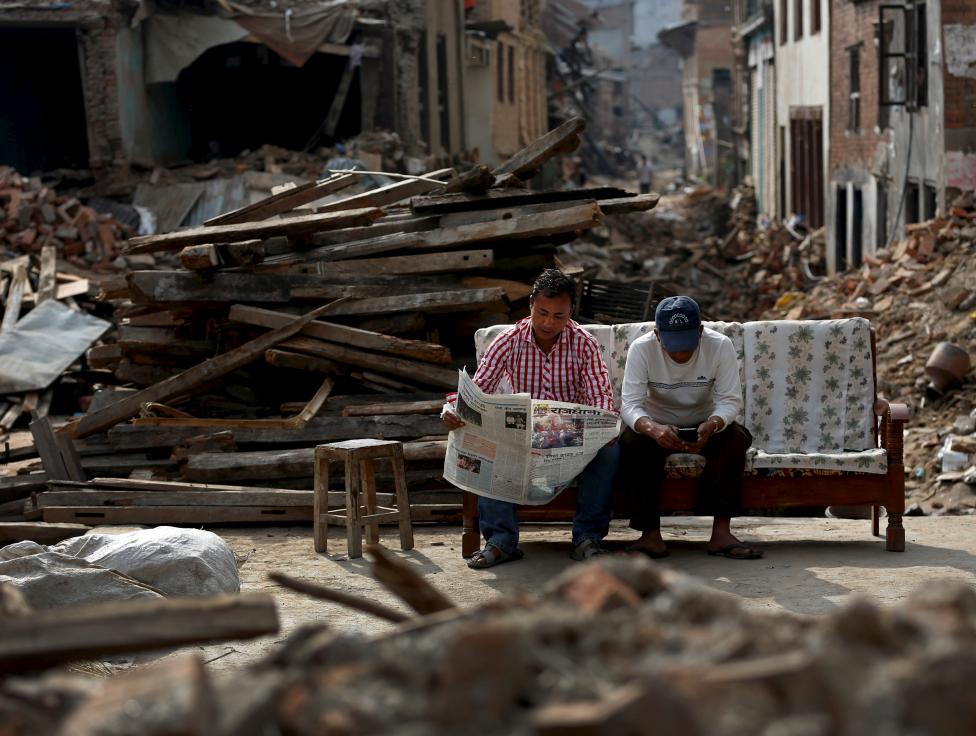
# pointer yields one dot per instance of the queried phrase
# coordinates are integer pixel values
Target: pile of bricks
(33, 216)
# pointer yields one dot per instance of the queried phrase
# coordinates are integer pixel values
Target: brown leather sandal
(491, 556)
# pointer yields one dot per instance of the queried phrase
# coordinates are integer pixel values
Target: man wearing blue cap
(681, 393)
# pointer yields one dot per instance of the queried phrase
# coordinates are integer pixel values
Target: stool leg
(403, 500)
(320, 526)
(354, 536)
(369, 493)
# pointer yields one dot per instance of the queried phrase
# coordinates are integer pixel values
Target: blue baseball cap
(677, 319)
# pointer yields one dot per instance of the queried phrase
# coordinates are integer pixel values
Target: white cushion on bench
(873, 461)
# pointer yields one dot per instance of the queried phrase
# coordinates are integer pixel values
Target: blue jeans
(498, 520)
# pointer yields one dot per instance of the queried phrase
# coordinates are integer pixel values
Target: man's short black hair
(554, 283)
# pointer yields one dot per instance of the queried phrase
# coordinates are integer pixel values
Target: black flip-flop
(480, 561)
(729, 552)
(648, 552)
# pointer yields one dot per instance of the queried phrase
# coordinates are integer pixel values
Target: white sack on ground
(95, 568)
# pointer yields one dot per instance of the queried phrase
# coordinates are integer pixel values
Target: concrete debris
(920, 295)
(548, 663)
(697, 242)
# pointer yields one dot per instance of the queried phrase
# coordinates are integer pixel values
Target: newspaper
(515, 448)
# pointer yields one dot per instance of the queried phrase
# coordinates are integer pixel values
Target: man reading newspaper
(550, 357)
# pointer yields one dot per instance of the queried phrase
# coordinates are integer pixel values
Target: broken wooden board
(38, 531)
(285, 201)
(208, 256)
(458, 300)
(251, 230)
(131, 437)
(388, 225)
(193, 515)
(422, 373)
(477, 179)
(442, 204)
(297, 361)
(562, 139)
(48, 284)
(294, 463)
(246, 497)
(15, 297)
(386, 409)
(450, 262)
(391, 193)
(624, 205)
(344, 335)
(48, 638)
(178, 287)
(191, 378)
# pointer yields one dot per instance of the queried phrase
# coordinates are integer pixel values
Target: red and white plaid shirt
(573, 371)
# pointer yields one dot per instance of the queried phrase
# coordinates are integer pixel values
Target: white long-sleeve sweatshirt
(682, 394)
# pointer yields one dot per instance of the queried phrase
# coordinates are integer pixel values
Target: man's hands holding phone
(685, 439)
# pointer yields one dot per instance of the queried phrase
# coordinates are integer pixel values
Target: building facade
(141, 84)
(704, 41)
(505, 77)
(802, 107)
(903, 119)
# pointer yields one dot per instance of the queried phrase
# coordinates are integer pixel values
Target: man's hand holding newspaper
(515, 448)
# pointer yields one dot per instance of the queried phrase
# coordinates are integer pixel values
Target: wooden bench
(822, 436)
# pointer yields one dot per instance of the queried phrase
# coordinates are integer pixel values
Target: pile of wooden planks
(287, 328)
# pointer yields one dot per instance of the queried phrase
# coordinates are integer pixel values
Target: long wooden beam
(562, 139)
(47, 638)
(389, 194)
(252, 230)
(344, 335)
(285, 201)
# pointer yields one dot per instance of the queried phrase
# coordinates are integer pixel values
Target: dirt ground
(811, 567)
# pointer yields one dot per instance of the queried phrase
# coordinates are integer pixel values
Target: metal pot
(947, 366)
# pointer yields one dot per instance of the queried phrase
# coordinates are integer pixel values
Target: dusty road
(811, 566)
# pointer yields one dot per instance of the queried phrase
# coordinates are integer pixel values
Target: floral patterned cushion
(873, 461)
(809, 386)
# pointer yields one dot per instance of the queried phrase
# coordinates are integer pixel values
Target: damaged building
(158, 83)
(904, 120)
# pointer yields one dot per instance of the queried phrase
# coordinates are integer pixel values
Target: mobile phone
(688, 434)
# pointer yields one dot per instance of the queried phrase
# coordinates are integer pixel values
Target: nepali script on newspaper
(519, 449)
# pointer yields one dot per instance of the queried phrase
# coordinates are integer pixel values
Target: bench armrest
(893, 412)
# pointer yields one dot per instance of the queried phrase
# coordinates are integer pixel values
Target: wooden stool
(359, 456)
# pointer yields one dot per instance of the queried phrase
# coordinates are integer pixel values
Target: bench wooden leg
(876, 520)
(895, 533)
(470, 533)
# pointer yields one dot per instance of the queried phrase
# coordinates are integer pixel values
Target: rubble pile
(919, 293)
(604, 648)
(695, 242)
(376, 150)
(51, 250)
(33, 216)
(284, 328)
